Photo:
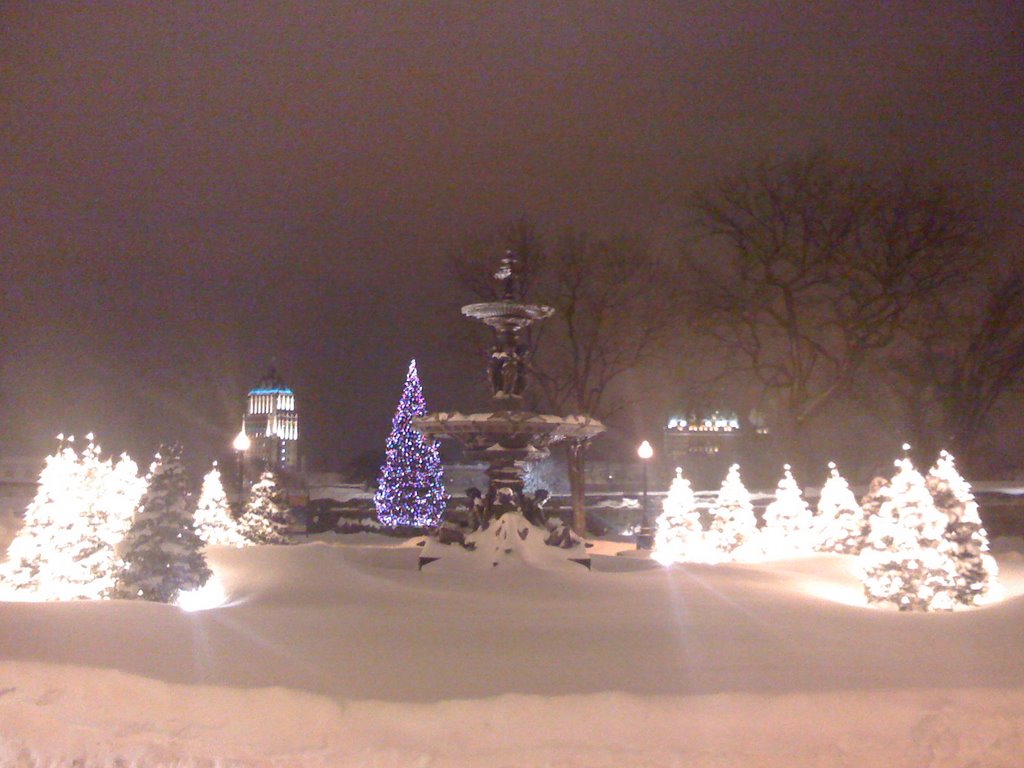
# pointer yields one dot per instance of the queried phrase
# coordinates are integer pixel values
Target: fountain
(503, 524)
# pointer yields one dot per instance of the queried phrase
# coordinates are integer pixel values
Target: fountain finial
(507, 275)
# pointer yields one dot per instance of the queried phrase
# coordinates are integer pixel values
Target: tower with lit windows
(271, 423)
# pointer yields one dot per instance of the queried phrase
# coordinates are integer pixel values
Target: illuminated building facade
(703, 445)
(271, 423)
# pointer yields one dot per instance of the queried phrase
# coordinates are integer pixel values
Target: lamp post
(241, 445)
(645, 537)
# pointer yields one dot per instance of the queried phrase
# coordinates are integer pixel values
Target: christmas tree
(679, 536)
(266, 518)
(162, 553)
(976, 569)
(214, 523)
(840, 517)
(66, 549)
(733, 529)
(410, 490)
(906, 559)
(788, 521)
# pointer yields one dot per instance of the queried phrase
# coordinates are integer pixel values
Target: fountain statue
(503, 523)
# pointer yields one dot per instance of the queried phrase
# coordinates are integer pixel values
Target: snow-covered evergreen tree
(410, 490)
(67, 547)
(120, 496)
(42, 555)
(733, 528)
(906, 559)
(214, 522)
(162, 554)
(679, 536)
(976, 569)
(266, 517)
(840, 520)
(788, 521)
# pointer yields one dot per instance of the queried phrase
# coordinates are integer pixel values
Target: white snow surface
(339, 652)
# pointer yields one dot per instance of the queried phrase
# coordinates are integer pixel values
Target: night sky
(189, 190)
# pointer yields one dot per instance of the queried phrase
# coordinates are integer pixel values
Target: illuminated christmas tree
(214, 523)
(67, 548)
(906, 559)
(840, 518)
(976, 569)
(733, 529)
(788, 522)
(162, 553)
(266, 518)
(678, 536)
(410, 489)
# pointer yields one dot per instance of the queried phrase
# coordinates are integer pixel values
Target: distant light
(645, 451)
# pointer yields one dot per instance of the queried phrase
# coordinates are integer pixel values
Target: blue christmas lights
(410, 490)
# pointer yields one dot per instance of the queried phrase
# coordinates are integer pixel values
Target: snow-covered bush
(906, 559)
(788, 521)
(214, 522)
(266, 518)
(678, 536)
(733, 528)
(840, 520)
(976, 569)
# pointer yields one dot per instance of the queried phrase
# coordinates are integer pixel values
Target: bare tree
(808, 267)
(614, 304)
(962, 356)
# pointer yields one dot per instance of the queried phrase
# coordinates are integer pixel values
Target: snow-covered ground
(339, 652)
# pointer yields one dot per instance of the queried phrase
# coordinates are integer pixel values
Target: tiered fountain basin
(483, 434)
(505, 315)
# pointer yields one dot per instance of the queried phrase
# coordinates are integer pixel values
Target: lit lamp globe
(241, 445)
(242, 442)
(645, 536)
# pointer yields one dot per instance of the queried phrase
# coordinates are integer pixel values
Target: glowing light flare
(209, 596)
(242, 442)
(846, 594)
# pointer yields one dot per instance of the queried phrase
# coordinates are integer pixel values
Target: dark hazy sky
(190, 189)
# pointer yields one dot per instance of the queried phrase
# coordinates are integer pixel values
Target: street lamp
(645, 537)
(241, 445)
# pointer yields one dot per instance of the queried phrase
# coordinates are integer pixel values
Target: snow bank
(343, 654)
(56, 716)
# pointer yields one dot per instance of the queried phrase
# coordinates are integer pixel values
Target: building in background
(704, 445)
(271, 423)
